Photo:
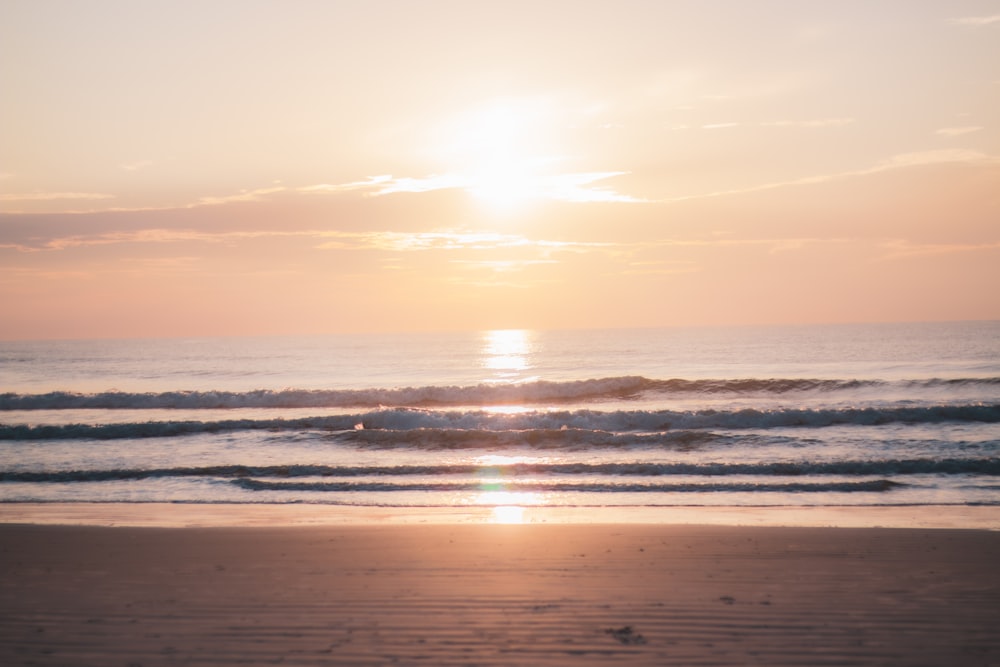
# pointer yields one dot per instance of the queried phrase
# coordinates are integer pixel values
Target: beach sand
(488, 594)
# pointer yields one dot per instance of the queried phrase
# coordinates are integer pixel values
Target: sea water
(878, 414)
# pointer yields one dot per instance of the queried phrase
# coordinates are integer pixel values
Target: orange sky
(237, 167)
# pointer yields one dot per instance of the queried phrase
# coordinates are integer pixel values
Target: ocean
(859, 415)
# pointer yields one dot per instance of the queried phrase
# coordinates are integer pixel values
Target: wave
(507, 473)
(471, 428)
(877, 485)
(528, 393)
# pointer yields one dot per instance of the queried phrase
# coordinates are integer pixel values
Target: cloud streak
(809, 123)
(901, 161)
(146, 236)
(136, 166)
(902, 249)
(242, 196)
(817, 122)
(52, 196)
(976, 21)
(570, 187)
(441, 240)
(958, 131)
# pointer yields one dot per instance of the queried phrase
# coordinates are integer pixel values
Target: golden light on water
(506, 409)
(488, 460)
(506, 506)
(507, 352)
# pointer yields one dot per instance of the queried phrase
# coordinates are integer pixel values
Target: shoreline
(178, 515)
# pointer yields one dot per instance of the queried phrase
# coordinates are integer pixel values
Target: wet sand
(185, 515)
(482, 594)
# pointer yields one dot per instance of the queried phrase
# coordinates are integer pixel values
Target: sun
(506, 183)
(498, 152)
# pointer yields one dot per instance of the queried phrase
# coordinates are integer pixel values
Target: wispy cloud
(901, 161)
(900, 249)
(116, 238)
(808, 123)
(416, 241)
(241, 196)
(136, 166)
(183, 263)
(442, 240)
(922, 158)
(368, 183)
(492, 284)
(893, 249)
(147, 236)
(34, 273)
(660, 268)
(464, 240)
(502, 265)
(957, 131)
(772, 245)
(421, 184)
(387, 184)
(575, 188)
(817, 122)
(571, 187)
(976, 21)
(52, 196)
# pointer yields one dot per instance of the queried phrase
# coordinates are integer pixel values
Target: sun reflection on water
(506, 409)
(491, 460)
(506, 506)
(507, 352)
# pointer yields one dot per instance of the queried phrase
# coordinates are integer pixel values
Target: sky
(238, 167)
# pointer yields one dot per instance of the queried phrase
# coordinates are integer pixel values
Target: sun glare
(507, 352)
(506, 184)
(496, 152)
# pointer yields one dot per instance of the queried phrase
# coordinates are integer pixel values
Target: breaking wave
(508, 473)
(456, 428)
(528, 393)
(877, 485)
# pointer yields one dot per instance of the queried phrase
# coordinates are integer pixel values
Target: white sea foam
(528, 393)
(444, 427)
